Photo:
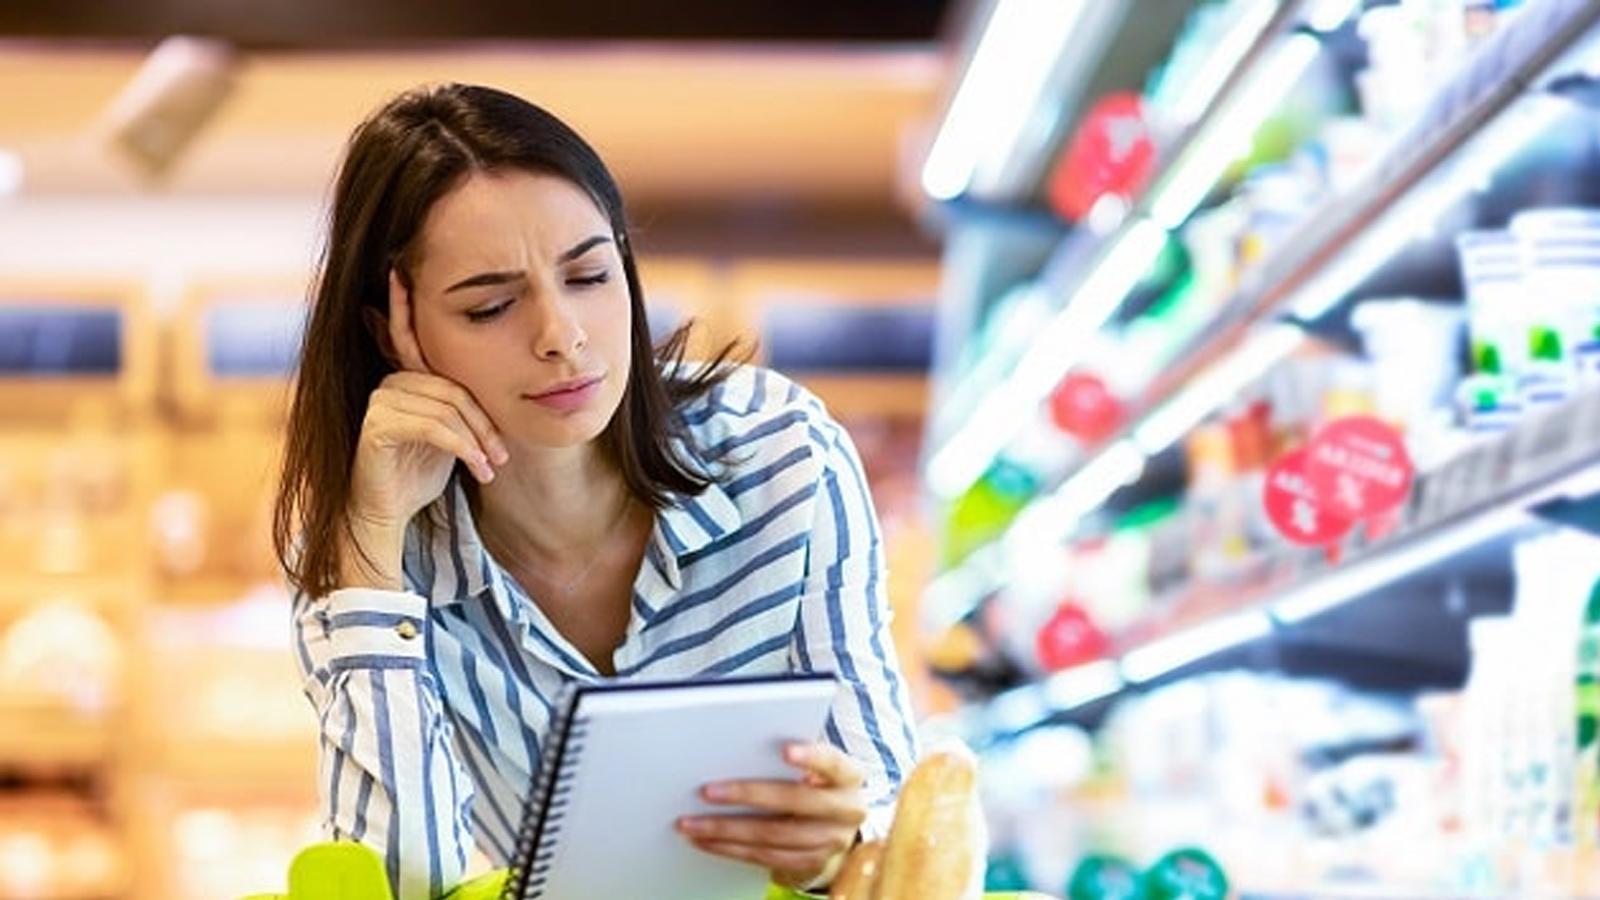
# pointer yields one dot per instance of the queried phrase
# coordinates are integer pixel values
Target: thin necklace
(567, 589)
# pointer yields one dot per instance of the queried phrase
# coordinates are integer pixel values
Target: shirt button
(406, 629)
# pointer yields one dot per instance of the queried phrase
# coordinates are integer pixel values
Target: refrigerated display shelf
(1077, 256)
(1527, 55)
(1499, 487)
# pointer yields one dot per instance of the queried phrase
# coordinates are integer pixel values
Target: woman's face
(518, 290)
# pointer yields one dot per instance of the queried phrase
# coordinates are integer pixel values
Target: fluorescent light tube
(1226, 136)
(1194, 644)
(1201, 90)
(1082, 685)
(1020, 44)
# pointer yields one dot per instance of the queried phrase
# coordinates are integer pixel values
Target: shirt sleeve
(389, 776)
(844, 629)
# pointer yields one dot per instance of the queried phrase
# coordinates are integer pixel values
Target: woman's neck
(552, 506)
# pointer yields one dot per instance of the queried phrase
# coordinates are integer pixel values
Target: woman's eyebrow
(485, 279)
(583, 247)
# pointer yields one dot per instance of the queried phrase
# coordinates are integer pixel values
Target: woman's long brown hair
(397, 164)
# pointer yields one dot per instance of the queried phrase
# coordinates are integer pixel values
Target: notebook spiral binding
(537, 838)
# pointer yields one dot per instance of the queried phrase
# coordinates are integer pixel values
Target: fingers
(440, 411)
(807, 825)
(402, 328)
(789, 867)
(791, 798)
(398, 426)
(461, 400)
(831, 766)
(795, 850)
(778, 832)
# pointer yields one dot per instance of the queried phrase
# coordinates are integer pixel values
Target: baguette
(858, 880)
(937, 845)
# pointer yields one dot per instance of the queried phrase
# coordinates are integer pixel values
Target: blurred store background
(1227, 373)
(163, 170)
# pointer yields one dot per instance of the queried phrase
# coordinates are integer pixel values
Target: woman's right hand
(418, 424)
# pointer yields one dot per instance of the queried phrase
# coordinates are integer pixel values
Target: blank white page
(646, 752)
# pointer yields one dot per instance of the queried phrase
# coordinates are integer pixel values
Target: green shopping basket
(345, 870)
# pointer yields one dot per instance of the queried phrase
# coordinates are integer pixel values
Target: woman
(494, 485)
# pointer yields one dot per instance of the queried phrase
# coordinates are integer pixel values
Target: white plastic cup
(1491, 269)
(1561, 271)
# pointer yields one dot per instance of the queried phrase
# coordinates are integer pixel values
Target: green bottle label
(1545, 344)
(1486, 358)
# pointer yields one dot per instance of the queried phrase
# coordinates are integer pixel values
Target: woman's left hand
(799, 830)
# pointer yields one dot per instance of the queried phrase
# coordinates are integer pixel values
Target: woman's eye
(487, 313)
(589, 280)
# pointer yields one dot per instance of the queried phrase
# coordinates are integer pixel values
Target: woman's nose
(559, 334)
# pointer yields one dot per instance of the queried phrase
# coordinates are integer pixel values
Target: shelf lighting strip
(1222, 138)
(1227, 135)
(1416, 215)
(1201, 90)
(1021, 41)
(1074, 688)
(1223, 380)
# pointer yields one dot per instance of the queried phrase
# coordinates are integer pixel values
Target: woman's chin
(575, 431)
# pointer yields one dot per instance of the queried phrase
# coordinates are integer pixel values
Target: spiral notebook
(624, 760)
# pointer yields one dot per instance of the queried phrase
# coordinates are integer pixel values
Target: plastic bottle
(1586, 806)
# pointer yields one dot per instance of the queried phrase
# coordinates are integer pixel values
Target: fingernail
(691, 825)
(797, 753)
(718, 791)
(501, 454)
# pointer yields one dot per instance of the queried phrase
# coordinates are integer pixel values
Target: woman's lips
(569, 400)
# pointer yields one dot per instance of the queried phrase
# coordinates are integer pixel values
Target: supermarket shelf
(1082, 253)
(1495, 490)
(1066, 271)
(288, 764)
(1293, 283)
(51, 737)
(1303, 280)
(112, 593)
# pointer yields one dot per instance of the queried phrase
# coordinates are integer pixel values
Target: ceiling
(719, 119)
(318, 24)
(680, 125)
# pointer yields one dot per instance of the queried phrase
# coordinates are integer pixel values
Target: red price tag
(1112, 152)
(1070, 638)
(1294, 508)
(1359, 466)
(1082, 406)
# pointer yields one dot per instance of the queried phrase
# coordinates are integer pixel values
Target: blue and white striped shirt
(434, 702)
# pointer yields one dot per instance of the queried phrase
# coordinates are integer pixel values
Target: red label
(1070, 638)
(1294, 508)
(1082, 406)
(1111, 153)
(1359, 467)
